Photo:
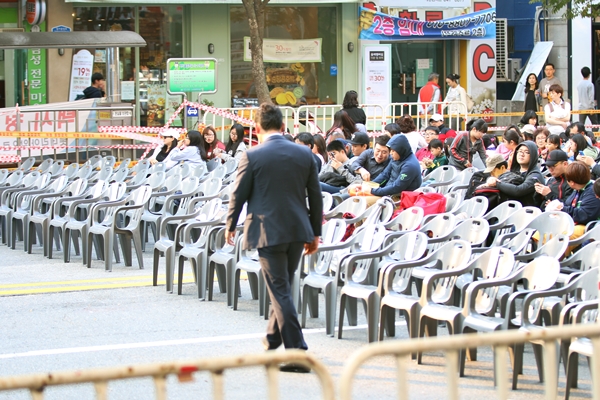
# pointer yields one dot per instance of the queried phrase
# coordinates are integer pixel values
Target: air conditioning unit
(513, 68)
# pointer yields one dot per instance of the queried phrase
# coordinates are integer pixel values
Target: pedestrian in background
(586, 92)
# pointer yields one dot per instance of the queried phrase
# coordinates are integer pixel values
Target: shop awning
(64, 40)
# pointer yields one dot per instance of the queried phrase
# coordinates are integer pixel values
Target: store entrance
(412, 62)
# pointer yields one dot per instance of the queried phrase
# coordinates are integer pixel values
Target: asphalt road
(57, 316)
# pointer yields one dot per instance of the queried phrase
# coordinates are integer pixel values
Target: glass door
(412, 62)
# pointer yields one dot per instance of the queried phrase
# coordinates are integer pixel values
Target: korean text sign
(191, 75)
(379, 26)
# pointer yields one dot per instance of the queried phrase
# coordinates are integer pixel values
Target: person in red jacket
(430, 93)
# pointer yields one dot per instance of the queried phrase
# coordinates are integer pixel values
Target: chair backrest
(125, 163)
(452, 255)
(76, 187)
(189, 185)
(142, 165)
(3, 175)
(104, 174)
(210, 187)
(180, 169)
(501, 212)
(381, 212)
(230, 165)
(115, 191)
(551, 223)
(496, 262)
(425, 189)
(585, 258)
(97, 189)
(540, 274)
(473, 230)
(42, 181)
(109, 161)
(444, 173)
(519, 243)
(45, 165)
(71, 171)
(408, 247)
(464, 176)
(119, 175)
(369, 238)
(212, 164)
(94, 161)
(327, 201)
(474, 207)
(439, 226)
(333, 231)
(140, 195)
(219, 172)
(139, 179)
(15, 178)
(158, 167)
(84, 172)
(31, 178)
(453, 201)
(172, 182)
(157, 180)
(354, 205)
(519, 220)
(57, 168)
(408, 220)
(198, 170)
(555, 247)
(27, 164)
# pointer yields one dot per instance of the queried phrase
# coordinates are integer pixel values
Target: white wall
(581, 45)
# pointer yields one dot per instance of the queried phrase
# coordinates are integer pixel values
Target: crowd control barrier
(100, 377)
(451, 345)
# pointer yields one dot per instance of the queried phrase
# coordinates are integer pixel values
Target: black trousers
(278, 265)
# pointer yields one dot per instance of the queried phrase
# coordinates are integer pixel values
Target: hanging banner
(36, 70)
(287, 51)
(379, 26)
(425, 3)
(81, 73)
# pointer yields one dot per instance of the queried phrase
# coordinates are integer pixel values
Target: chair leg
(170, 269)
(342, 307)
(211, 280)
(330, 308)
(88, 258)
(200, 272)
(517, 363)
(253, 282)
(109, 240)
(372, 316)
(352, 311)
(155, 260)
(29, 246)
(236, 290)
(137, 244)
(180, 265)
(539, 360)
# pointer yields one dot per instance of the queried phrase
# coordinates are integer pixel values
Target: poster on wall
(482, 70)
(378, 26)
(286, 50)
(173, 103)
(424, 68)
(81, 73)
(157, 100)
(377, 85)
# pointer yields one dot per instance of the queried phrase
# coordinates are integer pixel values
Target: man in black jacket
(557, 186)
(275, 179)
(96, 91)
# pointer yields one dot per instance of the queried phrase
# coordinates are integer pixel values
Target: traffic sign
(191, 111)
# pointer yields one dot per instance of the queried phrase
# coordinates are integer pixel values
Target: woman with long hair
(342, 123)
(350, 105)
(532, 94)
(235, 146)
(190, 150)
(211, 143)
(170, 138)
(580, 146)
(409, 129)
(320, 148)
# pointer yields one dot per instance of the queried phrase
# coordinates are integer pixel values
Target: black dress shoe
(292, 367)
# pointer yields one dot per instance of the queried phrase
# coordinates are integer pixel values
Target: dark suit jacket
(275, 178)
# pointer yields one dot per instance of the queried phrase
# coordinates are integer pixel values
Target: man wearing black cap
(96, 91)
(360, 142)
(557, 186)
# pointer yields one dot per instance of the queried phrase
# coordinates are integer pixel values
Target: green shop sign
(191, 75)
(36, 72)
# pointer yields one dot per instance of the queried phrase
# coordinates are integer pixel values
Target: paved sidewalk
(109, 326)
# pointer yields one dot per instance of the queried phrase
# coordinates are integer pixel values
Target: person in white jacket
(235, 146)
(456, 94)
(170, 138)
(190, 150)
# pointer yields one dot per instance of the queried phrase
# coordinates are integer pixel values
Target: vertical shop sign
(482, 70)
(377, 85)
(157, 101)
(81, 73)
(36, 72)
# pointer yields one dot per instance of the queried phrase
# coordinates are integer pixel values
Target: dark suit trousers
(278, 265)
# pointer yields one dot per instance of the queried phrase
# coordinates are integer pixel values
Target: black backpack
(494, 196)
(479, 178)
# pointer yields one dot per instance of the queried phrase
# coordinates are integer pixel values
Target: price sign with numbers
(81, 73)
(377, 85)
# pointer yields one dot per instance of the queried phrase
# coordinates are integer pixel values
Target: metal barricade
(451, 345)
(184, 370)
(316, 118)
(456, 113)
(376, 116)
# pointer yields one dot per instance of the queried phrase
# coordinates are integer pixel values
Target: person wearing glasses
(212, 146)
(556, 188)
(526, 166)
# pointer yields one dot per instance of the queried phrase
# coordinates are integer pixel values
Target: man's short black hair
(97, 76)
(382, 140)
(336, 145)
(585, 72)
(269, 117)
(306, 138)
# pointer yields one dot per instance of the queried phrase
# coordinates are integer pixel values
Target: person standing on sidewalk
(275, 179)
(545, 84)
(587, 101)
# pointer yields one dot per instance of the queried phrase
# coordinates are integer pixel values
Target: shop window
(291, 80)
(162, 29)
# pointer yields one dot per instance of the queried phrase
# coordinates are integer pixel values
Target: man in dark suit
(275, 178)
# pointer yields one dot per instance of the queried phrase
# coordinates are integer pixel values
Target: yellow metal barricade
(451, 345)
(159, 372)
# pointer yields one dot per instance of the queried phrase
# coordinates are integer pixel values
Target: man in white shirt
(586, 92)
